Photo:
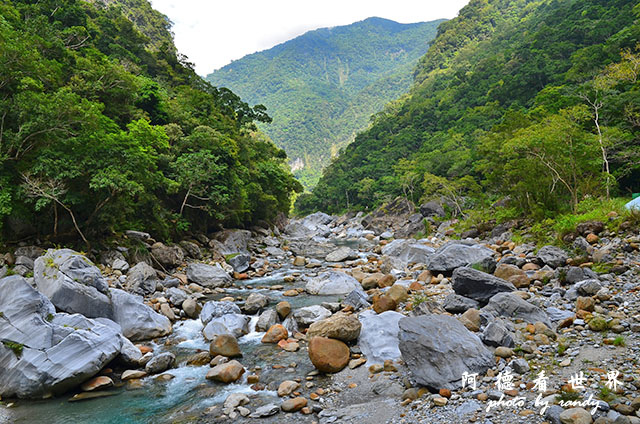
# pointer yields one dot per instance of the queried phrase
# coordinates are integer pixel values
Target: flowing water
(188, 394)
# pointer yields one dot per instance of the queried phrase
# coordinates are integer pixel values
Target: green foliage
(322, 87)
(15, 347)
(530, 99)
(104, 127)
(619, 341)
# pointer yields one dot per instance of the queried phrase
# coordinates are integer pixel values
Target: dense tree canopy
(533, 99)
(322, 87)
(103, 128)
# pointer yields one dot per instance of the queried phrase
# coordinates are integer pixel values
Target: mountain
(321, 87)
(104, 127)
(532, 99)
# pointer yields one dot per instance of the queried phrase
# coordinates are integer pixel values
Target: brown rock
(585, 303)
(592, 238)
(328, 355)
(383, 303)
(299, 261)
(226, 373)
(101, 382)
(530, 267)
(506, 271)
(386, 281)
(283, 309)
(445, 393)
(290, 345)
(200, 358)
(425, 276)
(287, 387)
(520, 281)
(338, 326)
(132, 374)
(371, 280)
(275, 333)
(398, 293)
(294, 405)
(416, 286)
(471, 319)
(225, 345)
(290, 293)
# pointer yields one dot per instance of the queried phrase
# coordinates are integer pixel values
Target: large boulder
(309, 314)
(341, 254)
(310, 226)
(431, 209)
(168, 256)
(438, 349)
(378, 338)
(73, 283)
(338, 326)
(458, 254)
(328, 355)
(255, 303)
(235, 324)
(478, 285)
(211, 276)
(137, 320)
(142, 279)
(215, 309)
(512, 306)
(405, 251)
(228, 242)
(239, 262)
(332, 283)
(553, 256)
(45, 353)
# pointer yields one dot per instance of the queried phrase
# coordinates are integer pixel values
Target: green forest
(322, 87)
(105, 127)
(535, 100)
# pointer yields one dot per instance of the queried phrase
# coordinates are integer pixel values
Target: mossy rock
(598, 324)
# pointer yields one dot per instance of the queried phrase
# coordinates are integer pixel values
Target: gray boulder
(211, 276)
(137, 320)
(496, 334)
(341, 254)
(228, 242)
(438, 349)
(215, 309)
(478, 285)
(357, 299)
(142, 279)
(457, 304)
(309, 226)
(332, 283)
(46, 353)
(378, 337)
(160, 363)
(176, 296)
(266, 320)
(512, 306)
(239, 262)
(168, 256)
(404, 251)
(191, 249)
(254, 303)
(310, 314)
(553, 256)
(235, 324)
(73, 283)
(458, 254)
(431, 209)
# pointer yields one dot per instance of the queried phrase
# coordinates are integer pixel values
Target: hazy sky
(212, 33)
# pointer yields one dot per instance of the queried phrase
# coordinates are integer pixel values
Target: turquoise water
(189, 394)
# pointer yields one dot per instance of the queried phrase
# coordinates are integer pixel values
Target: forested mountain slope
(321, 87)
(103, 128)
(533, 99)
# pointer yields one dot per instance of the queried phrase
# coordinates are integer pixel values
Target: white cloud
(212, 33)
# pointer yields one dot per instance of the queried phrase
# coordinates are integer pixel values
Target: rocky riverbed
(325, 319)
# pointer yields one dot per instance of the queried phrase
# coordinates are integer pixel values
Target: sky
(212, 33)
